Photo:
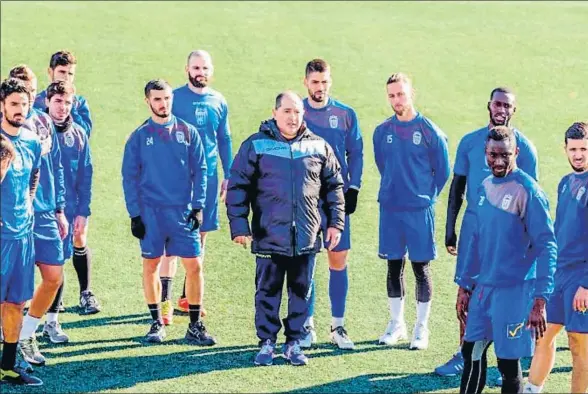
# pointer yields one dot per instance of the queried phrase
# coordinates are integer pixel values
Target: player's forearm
(546, 264)
(456, 197)
(225, 151)
(34, 183)
(355, 162)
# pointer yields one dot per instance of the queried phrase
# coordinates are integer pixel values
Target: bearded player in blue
(568, 306)
(508, 272)
(206, 110)
(469, 171)
(164, 183)
(337, 124)
(412, 158)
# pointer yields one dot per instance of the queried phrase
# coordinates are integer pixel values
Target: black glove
(194, 219)
(351, 200)
(137, 227)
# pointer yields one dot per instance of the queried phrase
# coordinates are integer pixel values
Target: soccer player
(7, 154)
(78, 170)
(337, 124)
(568, 306)
(62, 67)
(205, 109)
(50, 228)
(411, 155)
(164, 183)
(469, 171)
(19, 183)
(280, 173)
(508, 272)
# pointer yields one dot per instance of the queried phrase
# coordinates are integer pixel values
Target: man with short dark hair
(568, 306)
(19, 184)
(280, 174)
(508, 272)
(164, 184)
(62, 67)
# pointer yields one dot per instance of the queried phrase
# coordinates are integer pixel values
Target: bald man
(280, 173)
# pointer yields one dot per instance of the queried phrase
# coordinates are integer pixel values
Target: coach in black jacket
(281, 173)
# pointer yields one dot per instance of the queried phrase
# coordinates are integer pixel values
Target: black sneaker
(20, 377)
(30, 351)
(197, 335)
(156, 333)
(89, 305)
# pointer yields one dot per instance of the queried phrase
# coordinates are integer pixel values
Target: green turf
(456, 53)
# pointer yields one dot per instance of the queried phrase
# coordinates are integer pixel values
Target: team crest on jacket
(201, 115)
(68, 139)
(417, 137)
(581, 193)
(333, 121)
(17, 162)
(180, 137)
(506, 201)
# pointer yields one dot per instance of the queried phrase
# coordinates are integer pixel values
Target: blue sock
(311, 300)
(338, 285)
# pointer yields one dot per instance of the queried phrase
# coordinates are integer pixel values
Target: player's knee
(510, 369)
(579, 348)
(193, 267)
(338, 260)
(467, 350)
(80, 240)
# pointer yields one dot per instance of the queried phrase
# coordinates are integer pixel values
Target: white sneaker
(339, 337)
(420, 338)
(395, 332)
(310, 338)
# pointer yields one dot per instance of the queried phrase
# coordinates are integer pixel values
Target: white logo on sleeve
(581, 193)
(149, 141)
(481, 202)
(417, 137)
(68, 139)
(180, 137)
(506, 201)
(333, 121)
(389, 138)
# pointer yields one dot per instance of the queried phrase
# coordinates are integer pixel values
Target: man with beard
(568, 306)
(50, 228)
(337, 124)
(206, 110)
(470, 169)
(164, 183)
(78, 170)
(17, 265)
(281, 173)
(508, 271)
(62, 67)
(412, 158)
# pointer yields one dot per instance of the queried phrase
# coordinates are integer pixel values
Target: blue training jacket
(282, 182)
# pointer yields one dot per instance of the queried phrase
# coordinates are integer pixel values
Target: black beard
(506, 121)
(577, 169)
(163, 116)
(14, 123)
(198, 84)
(316, 99)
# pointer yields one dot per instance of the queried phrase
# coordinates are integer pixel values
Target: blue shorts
(48, 243)
(560, 308)
(167, 231)
(17, 269)
(68, 241)
(465, 236)
(210, 212)
(412, 231)
(500, 314)
(345, 242)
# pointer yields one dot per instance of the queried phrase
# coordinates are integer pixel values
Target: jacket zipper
(293, 202)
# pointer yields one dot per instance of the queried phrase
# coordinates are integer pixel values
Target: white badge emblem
(17, 162)
(68, 139)
(417, 137)
(180, 137)
(581, 193)
(333, 121)
(506, 201)
(149, 141)
(481, 202)
(389, 138)
(201, 114)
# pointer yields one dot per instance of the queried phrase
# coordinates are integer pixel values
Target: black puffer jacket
(282, 182)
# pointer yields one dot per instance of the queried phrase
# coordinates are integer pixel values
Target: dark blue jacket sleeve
(378, 151)
(131, 175)
(332, 189)
(197, 170)
(440, 161)
(527, 159)
(354, 150)
(240, 190)
(80, 114)
(58, 174)
(543, 245)
(471, 262)
(223, 137)
(84, 186)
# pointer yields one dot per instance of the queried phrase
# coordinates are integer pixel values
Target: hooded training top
(282, 181)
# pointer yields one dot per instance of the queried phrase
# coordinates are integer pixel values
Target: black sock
(54, 308)
(166, 288)
(8, 356)
(512, 375)
(184, 289)
(155, 310)
(82, 262)
(194, 313)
